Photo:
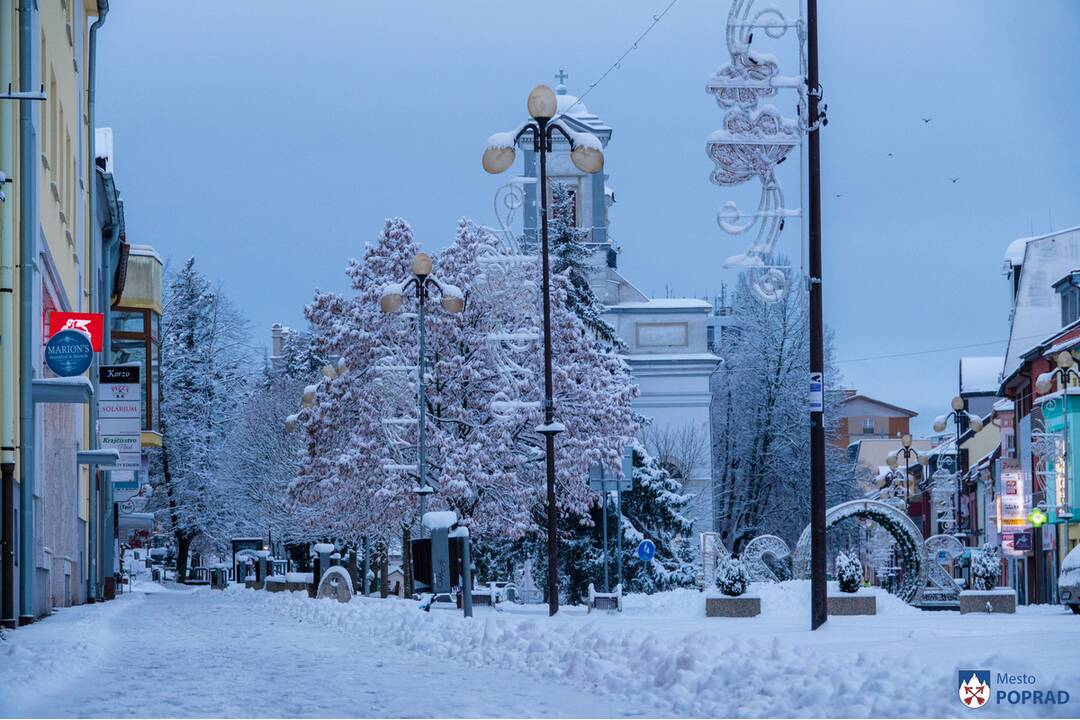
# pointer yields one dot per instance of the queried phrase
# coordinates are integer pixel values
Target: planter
(253, 584)
(726, 606)
(998, 600)
(284, 586)
(855, 603)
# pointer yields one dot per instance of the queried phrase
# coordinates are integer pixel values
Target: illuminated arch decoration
(909, 542)
(754, 556)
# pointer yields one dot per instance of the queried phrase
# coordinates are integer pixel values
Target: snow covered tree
(849, 571)
(985, 567)
(732, 577)
(761, 448)
(485, 464)
(203, 375)
(570, 256)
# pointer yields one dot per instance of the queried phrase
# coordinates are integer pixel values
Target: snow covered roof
(663, 304)
(980, 374)
(1037, 309)
(859, 398)
(1003, 405)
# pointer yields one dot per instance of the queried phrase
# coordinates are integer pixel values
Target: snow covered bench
(605, 601)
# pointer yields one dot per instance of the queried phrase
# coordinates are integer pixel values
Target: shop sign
(120, 420)
(69, 353)
(92, 324)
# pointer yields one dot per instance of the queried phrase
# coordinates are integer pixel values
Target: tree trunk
(183, 545)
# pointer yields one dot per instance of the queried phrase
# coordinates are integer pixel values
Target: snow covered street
(248, 653)
(209, 654)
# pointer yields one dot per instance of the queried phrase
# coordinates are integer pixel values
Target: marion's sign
(93, 324)
(69, 353)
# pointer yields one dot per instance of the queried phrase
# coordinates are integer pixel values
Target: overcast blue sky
(269, 139)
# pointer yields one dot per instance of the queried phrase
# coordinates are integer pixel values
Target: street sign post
(602, 482)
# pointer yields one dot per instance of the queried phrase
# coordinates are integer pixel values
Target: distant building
(863, 417)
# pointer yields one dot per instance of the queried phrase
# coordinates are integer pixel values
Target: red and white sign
(93, 324)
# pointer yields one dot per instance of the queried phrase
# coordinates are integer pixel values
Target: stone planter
(726, 606)
(856, 603)
(998, 600)
(284, 586)
(253, 584)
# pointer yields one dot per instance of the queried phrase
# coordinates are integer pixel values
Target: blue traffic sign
(69, 353)
(646, 550)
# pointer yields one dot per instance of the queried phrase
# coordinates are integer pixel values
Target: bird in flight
(954, 179)
(890, 154)
(927, 120)
(840, 195)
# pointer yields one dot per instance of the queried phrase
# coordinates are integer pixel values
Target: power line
(655, 20)
(937, 350)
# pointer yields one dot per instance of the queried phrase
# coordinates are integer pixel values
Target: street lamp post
(588, 157)
(893, 460)
(956, 415)
(393, 297)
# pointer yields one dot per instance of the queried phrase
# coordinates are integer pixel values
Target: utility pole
(818, 592)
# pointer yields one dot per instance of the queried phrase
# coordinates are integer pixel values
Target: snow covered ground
(249, 653)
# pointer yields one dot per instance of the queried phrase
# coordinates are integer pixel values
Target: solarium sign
(69, 353)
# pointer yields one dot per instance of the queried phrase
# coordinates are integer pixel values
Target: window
(868, 426)
(135, 338)
(1070, 306)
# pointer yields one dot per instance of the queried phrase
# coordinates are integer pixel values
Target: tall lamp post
(588, 157)
(393, 297)
(956, 415)
(907, 452)
(1063, 372)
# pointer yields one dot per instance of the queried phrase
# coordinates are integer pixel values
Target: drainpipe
(28, 230)
(7, 337)
(100, 266)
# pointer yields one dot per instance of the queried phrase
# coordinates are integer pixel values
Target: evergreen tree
(570, 255)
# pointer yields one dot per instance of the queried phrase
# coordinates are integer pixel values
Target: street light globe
(309, 395)
(498, 159)
(328, 372)
(958, 403)
(939, 425)
(342, 367)
(906, 440)
(891, 460)
(542, 103)
(1044, 383)
(421, 265)
(587, 159)
(976, 424)
(390, 301)
(1064, 360)
(453, 303)
(290, 423)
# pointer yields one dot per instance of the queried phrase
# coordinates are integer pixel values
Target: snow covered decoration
(909, 542)
(849, 572)
(732, 577)
(985, 567)
(755, 552)
(941, 588)
(943, 492)
(756, 138)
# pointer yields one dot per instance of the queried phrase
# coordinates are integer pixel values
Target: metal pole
(421, 462)
(607, 583)
(549, 400)
(466, 578)
(818, 538)
(367, 565)
(618, 532)
(959, 483)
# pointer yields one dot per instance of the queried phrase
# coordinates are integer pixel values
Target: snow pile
(671, 668)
